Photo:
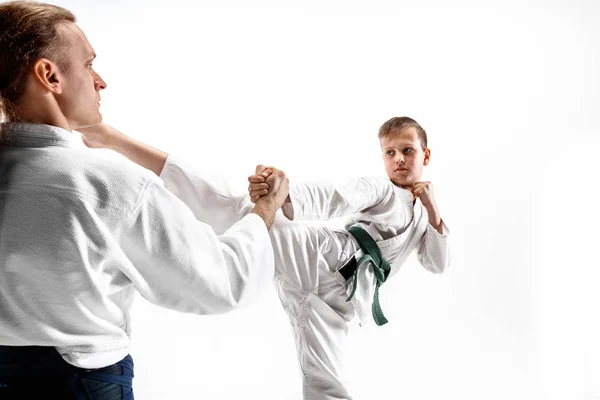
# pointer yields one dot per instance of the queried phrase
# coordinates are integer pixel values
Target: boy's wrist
(435, 220)
(116, 140)
(434, 215)
(431, 208)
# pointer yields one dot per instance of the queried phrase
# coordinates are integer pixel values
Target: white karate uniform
(82, 229)
(308, 257)
(315, 298)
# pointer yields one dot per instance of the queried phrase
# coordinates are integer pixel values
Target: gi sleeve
(180, 263)
(211, 199)
(434, 250)
(328, 200)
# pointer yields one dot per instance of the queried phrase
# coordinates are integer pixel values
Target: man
(81, 230)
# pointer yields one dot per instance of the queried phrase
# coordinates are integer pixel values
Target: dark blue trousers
(35, 372)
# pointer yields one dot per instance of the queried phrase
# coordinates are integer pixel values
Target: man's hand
(277, 187)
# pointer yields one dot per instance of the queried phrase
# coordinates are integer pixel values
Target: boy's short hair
(402, 123)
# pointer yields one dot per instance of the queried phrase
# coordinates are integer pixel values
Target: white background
(509, 94)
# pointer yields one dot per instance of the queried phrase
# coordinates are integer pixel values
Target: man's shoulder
(103, 177)
(108, 163)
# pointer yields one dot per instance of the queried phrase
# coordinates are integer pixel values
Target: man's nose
(100, 84)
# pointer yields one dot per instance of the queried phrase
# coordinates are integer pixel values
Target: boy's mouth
(401, 169)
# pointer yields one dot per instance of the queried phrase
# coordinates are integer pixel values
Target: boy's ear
(427, 155)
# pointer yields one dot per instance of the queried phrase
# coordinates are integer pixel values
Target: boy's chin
(403, 182)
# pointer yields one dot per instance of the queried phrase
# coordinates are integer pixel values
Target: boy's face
(403, 156)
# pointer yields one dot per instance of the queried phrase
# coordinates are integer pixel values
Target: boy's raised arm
(105, 136)
(326, 200)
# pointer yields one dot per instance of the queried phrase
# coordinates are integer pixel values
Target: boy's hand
(424, 191)
(98, 136)
(278, 185)
(258, 185)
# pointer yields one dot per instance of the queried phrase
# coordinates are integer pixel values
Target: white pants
(306, 258)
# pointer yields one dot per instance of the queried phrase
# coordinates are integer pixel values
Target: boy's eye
(408, 150)
(390, 152)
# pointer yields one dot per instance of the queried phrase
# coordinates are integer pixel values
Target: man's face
(80, 98)
(403, 156)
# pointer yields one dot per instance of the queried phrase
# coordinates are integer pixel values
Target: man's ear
(427, 156)
(46, 73)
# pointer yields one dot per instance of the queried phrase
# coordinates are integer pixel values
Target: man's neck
(41, 112)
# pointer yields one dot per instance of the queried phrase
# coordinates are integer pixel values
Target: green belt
(381, 268)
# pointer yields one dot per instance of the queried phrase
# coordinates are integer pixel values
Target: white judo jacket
(81, 230)
(384, 210)
(387, 213)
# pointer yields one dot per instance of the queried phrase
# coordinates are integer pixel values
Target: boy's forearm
(138, 152)
(435, 219)
(328, 200)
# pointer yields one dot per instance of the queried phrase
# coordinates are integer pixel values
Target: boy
(318, 268)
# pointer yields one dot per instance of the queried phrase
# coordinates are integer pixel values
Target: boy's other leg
(320, 324)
